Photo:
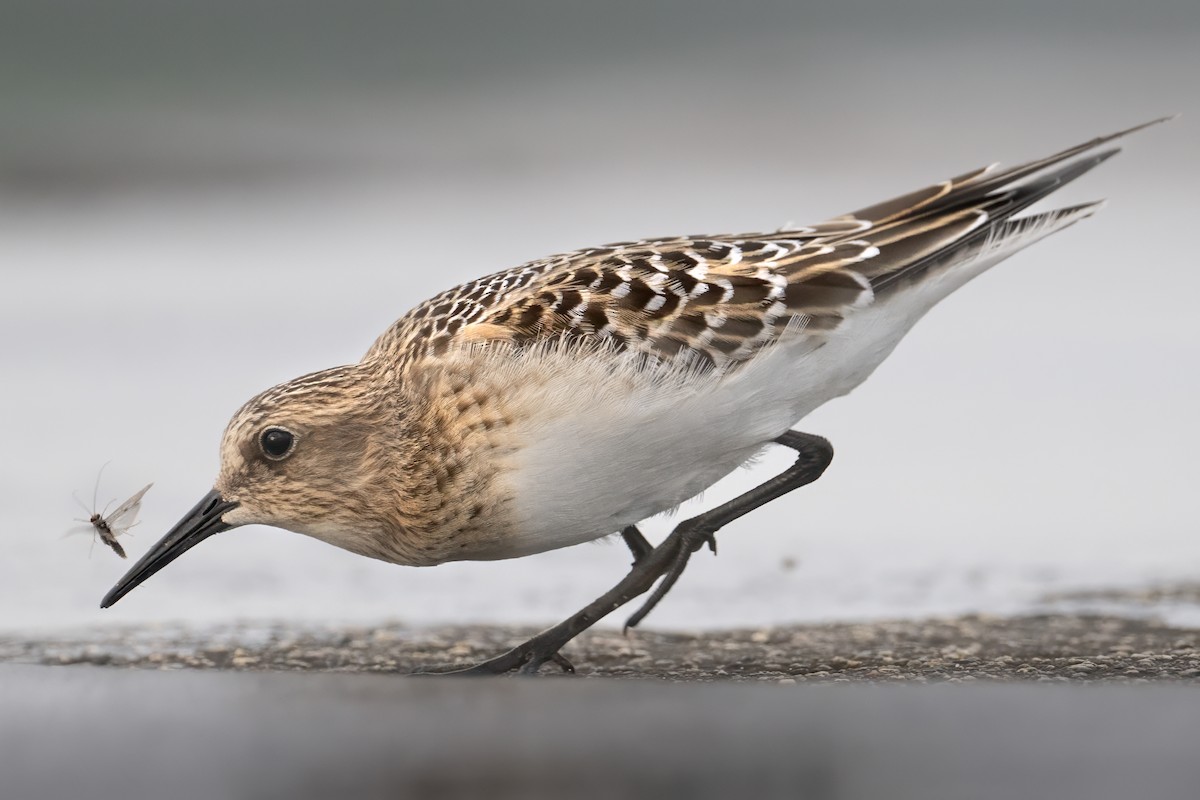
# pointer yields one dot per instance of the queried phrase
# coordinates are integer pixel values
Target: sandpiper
(572, 397)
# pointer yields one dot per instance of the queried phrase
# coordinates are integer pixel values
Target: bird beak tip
(204, 520)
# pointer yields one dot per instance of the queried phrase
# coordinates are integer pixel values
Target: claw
(536, 661)
(525, 660)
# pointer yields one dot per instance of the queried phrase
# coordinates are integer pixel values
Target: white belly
(607, 451)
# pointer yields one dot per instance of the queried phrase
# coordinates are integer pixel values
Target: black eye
(277, 443)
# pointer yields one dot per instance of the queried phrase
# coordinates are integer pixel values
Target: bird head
(300, 456)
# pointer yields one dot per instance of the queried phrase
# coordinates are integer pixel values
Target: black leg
(636, 543)
(668, 559)
(813, 455)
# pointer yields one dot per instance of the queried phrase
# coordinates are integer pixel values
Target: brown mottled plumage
(573, 396)
(716, 298)
(722, 297)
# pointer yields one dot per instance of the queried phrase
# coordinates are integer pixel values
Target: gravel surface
(1037, 648)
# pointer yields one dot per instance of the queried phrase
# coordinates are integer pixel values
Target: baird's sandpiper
(569, 398)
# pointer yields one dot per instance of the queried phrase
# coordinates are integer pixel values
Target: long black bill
(197, 525)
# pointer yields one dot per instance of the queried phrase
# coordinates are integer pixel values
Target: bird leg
(813, 455)
(668, 559)
(636, 543)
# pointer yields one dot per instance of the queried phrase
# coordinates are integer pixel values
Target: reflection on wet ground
(103, 733)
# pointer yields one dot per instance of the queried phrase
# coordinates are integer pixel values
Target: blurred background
(201, 199)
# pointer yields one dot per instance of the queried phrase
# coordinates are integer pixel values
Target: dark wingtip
(1099, 140)
(1144, 125)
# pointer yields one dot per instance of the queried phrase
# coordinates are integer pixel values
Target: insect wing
(126, 514)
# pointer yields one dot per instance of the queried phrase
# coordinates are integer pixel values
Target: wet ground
(1058, 648)
(1034, 706)
(117, 733)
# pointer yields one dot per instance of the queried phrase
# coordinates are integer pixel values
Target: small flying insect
(109, 526)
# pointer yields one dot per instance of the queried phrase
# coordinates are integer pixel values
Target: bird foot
(684, 540)
(525, 659)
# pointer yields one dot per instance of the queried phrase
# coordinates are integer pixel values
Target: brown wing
(720, 299)
(715, 299)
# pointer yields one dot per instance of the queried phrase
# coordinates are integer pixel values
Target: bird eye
(277, 443)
